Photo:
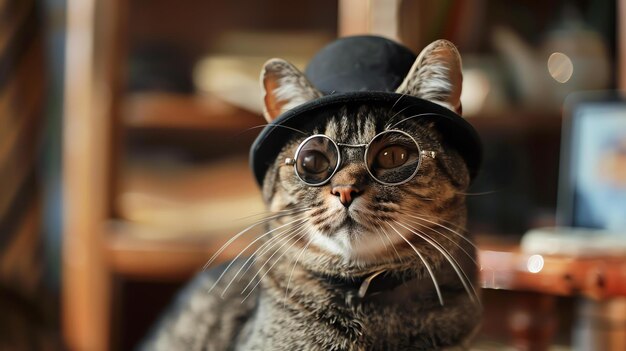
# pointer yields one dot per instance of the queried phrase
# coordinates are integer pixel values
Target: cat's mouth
(357, 232)
(353, 227)
(352, 222)
(347, 224)
(360, 239)
(349, 221)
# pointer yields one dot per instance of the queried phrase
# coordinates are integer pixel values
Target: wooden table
(532, 321)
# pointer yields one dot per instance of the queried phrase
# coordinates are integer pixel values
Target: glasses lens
(393, 157)
(316, 160)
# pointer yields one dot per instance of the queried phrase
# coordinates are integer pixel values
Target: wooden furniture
(99, 244)
(92, 87)
(532, 318)
(505, 267)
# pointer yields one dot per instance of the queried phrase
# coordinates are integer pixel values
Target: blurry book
(231, 71)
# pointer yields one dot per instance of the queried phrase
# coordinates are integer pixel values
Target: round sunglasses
(392, 157)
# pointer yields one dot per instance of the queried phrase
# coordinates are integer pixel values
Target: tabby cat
(365, 247)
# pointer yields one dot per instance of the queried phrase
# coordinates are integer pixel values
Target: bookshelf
(120, 208)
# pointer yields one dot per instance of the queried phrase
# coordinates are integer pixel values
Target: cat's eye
(316, 159)
(392, 156)
(313, 161)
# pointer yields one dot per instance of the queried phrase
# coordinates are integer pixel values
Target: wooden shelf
(518, 123)
(185, 112)
(206, 112)
(174, 217)
(188, 197)
(132, 252)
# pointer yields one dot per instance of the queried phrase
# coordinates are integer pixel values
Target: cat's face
(379, 222)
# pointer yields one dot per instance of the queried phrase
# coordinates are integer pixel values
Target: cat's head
(354, 220)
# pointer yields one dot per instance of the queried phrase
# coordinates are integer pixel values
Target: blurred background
(125, 126)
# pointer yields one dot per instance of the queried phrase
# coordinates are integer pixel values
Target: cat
(353, 263)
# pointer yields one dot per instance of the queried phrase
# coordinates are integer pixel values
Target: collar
(369, 285)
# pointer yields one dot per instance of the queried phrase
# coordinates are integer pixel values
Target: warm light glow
(560, 67)
(535, 263)
(475, 90)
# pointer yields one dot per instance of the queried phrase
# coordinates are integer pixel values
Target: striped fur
(310, 255)
(285, 87)
(436, 76)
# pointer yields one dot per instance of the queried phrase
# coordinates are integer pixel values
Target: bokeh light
(535, 263)
(560, 67)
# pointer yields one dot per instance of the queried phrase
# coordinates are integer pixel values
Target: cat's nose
(346, 193)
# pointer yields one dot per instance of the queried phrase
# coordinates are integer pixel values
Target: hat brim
(456, 131)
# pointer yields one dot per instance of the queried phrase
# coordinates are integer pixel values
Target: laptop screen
(592, 191)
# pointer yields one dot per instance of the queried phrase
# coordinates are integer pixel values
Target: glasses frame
(421, 155)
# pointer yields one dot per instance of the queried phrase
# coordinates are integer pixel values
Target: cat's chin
(355, 243)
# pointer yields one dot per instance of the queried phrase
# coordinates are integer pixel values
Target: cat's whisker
(454, 225)
(470, 256)
(270, 268)
(380, 237)
(294, 268)
(453, 232)
(453, 262)
(396, 114)
(415, 116)
(241, 252)
(395, 103)
(447, 228)
(285, 212)
(426, 265)
(390, 242)
(253, 254)
(268, 245)
(273, 125)
(251, 260)
(284, 239)
(231, 240)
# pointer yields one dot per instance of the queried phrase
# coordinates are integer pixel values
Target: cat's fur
(310, 271)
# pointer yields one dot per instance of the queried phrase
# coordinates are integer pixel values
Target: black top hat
(360, 70)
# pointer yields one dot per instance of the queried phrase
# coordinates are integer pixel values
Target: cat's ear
(436, 76)
(284, 87)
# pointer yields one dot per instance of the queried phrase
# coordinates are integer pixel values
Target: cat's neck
(301, 286)
(381, 287)
(327, 311)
